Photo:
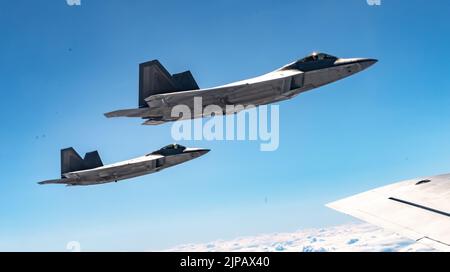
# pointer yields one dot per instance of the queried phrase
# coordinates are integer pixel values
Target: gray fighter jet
(90, 170)
(159, 91)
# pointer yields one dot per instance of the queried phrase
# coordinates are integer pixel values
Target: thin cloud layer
(350, 237)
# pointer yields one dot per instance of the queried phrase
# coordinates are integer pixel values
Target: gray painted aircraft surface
(159, 91)
(90, 169)
(417, 209)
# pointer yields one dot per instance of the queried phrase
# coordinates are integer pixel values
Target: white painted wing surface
(418, 209)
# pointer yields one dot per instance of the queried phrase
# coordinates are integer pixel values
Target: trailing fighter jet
(159, 91)
(418, 209)
(90, 170)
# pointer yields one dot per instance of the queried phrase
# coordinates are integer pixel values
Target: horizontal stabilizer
(153, 122)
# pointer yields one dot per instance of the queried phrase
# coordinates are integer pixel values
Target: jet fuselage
(140, 166)
(287, 82)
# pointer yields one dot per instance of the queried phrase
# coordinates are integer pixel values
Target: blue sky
(62, 67)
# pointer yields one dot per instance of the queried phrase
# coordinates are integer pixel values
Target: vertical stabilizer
(71, 161)
(155, 79)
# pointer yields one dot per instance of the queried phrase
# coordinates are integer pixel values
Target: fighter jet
(159, 91)
(417, 209)
(91, 171)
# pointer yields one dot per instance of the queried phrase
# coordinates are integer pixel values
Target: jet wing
(418, 209)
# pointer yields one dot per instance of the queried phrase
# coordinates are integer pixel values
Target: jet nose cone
(195, 153)
(366, 63)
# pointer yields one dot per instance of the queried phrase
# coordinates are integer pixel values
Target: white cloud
(351, 237)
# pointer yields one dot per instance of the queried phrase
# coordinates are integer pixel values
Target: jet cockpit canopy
(315, 56)
(171, 149)
(312, 62)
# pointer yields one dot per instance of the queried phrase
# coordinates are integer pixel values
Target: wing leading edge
(417, 209)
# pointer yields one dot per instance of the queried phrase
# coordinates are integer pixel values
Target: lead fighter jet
(159, 91)
(90, 170)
